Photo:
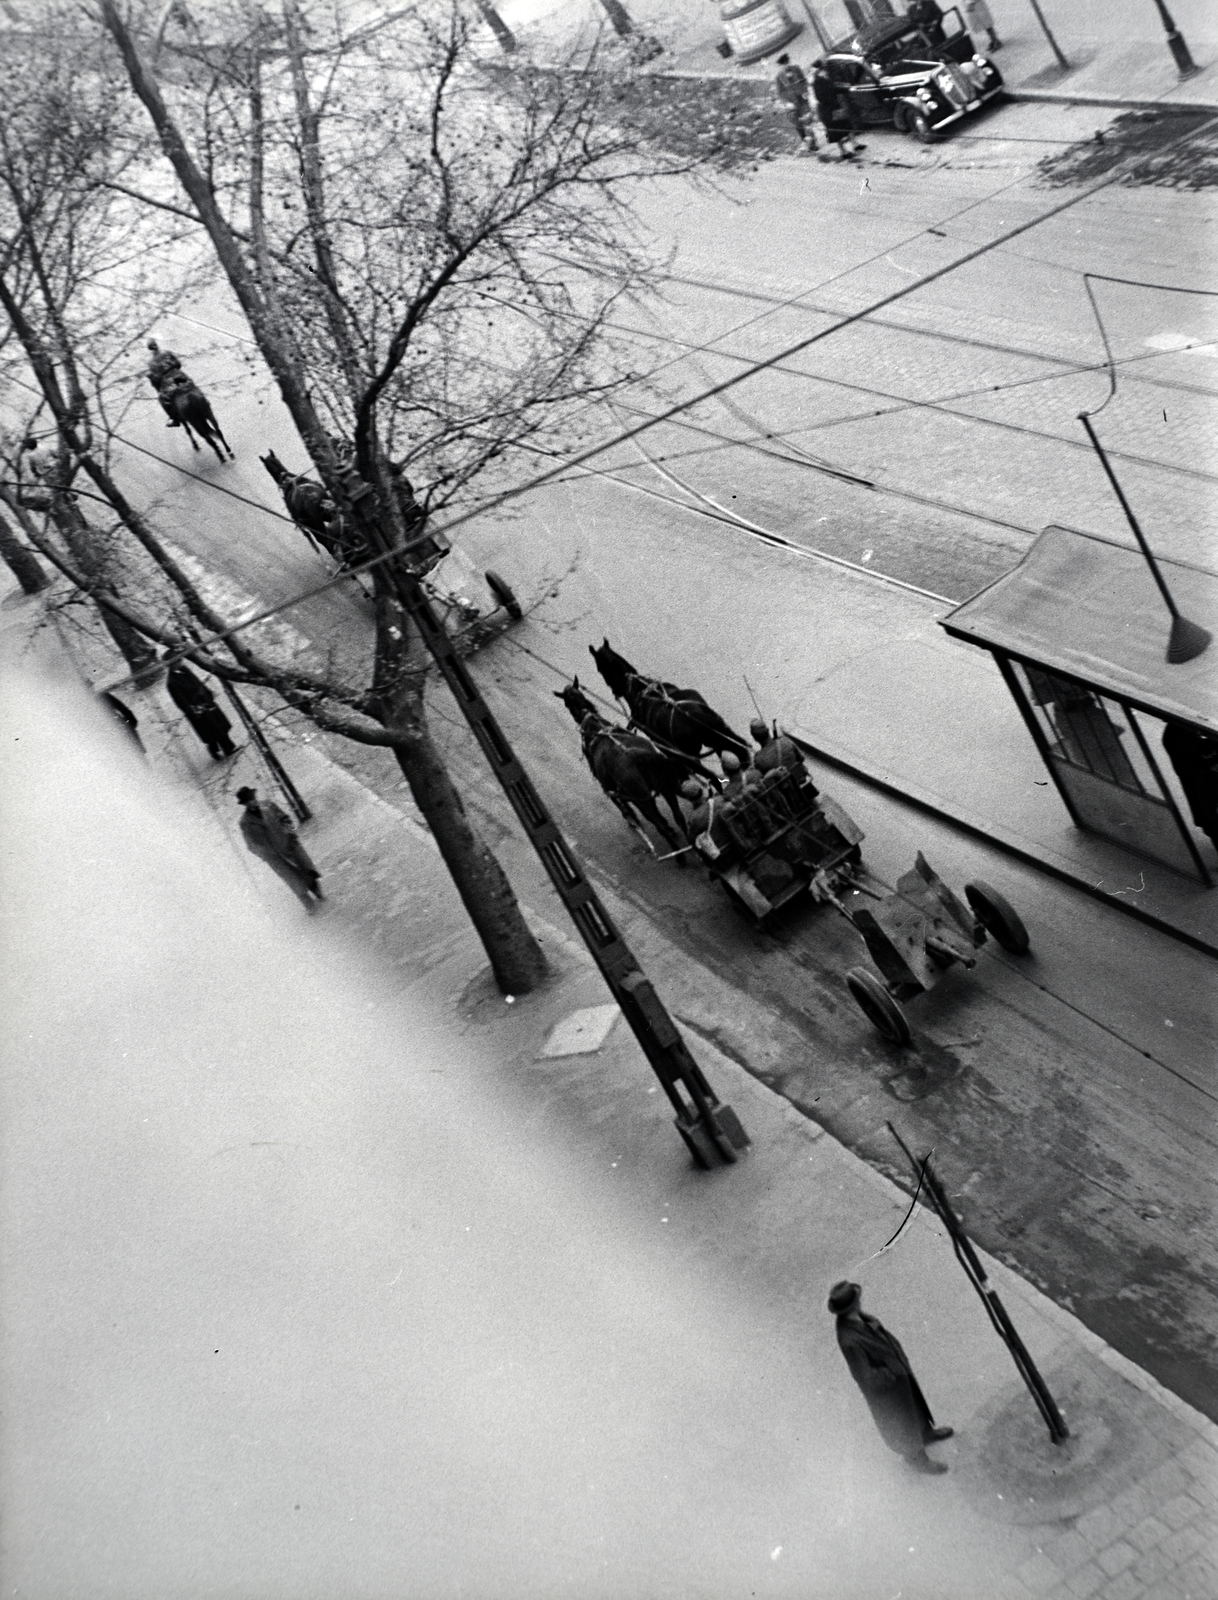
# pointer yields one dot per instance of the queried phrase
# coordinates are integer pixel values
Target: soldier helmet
(729, 761)
(691, 789)
(760, 729)
(245, 795)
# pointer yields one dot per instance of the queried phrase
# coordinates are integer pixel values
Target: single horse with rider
(183, 402)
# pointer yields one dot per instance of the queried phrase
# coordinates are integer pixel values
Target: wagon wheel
(505, 595)
(918, 123)
(997, 917)
(880, 1009)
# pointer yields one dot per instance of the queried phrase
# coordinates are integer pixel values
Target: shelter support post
(1037, 732)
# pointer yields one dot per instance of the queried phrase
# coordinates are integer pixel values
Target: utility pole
(711, 1130)
(1057, 49)
(975, 1273)
(1175, 42)
(262, 744)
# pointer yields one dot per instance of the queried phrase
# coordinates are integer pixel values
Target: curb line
(991, 835)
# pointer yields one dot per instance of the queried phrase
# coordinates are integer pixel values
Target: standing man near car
(979, 19)
(792, 87)
(834, 110)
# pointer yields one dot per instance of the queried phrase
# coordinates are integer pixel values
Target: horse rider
(776, 749)
(164, 367)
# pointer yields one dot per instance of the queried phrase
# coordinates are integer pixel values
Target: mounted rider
(165, 373)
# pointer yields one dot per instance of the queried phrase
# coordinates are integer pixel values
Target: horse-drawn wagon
(768, 842)
(471, 603)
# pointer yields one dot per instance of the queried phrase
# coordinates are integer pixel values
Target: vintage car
(920, 78)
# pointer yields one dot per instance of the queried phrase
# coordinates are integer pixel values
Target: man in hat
(776, 749)
(792, 87)
(198, 705)
(881, 1369)
(737, 775)
(271, 834)
(836, 114)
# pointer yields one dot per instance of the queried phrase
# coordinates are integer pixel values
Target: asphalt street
(1077, 1096)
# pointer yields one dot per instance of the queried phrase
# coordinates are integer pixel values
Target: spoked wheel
(997, 917)
(504, 593)
(918, 124)
(880, 1009)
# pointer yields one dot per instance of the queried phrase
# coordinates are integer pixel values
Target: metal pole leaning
(276, 767)
(711, 1130)
(975, 1272)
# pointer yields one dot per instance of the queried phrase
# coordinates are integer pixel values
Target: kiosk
(1078, 630)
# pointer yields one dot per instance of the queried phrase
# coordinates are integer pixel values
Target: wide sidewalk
(1117, 49)
(1125, 1509)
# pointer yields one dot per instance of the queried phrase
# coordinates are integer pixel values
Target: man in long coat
(881, 1369)
(270, 833)
(198, 705)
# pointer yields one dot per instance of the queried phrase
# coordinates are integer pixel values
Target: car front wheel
(918, 124)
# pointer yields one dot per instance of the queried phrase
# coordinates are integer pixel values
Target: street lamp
(1176, 43)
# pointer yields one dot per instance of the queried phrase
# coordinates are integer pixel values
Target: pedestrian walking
(1194, 755)
(835, 116)
(792, 87)
(270, 833)
(881, 1369)
(198, 705)
(979, 20)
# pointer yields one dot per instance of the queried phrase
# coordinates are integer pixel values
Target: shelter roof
(1090, 608)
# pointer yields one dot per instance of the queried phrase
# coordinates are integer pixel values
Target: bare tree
(421, 243)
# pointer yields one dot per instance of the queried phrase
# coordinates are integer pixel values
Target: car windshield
(911, 46)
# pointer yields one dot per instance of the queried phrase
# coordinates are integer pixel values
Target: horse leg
(189, 435)
(211, 417)
(676, 842)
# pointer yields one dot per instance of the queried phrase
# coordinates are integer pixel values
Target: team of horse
(660, 748)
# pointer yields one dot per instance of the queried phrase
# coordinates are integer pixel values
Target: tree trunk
(24, 564)
(515, 956)
(497, 25)
(81, 541)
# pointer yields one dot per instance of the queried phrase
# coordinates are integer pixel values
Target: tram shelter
(1079, 632)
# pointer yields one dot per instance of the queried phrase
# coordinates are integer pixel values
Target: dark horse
(186, 404)
(679, 718)
(314, 512)
(629, 768)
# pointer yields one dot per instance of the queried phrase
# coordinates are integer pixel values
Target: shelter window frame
(1083, 747)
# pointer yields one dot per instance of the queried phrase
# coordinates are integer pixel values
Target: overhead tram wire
(941, 335)
(935, 403)
(504, 497)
